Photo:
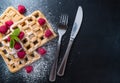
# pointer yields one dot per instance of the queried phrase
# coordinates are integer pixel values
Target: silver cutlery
(75, 30)
(61, 31)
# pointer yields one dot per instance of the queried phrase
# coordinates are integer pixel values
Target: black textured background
(95, 54)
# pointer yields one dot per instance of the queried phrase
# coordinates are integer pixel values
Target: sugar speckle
(59, 3)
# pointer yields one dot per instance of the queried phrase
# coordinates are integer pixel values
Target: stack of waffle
(34, 37)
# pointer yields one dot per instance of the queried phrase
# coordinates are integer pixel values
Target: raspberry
(21, 54)
(8, 39)
(28, 69)
(8, 23)
(41, 21)
(48, 33)
(3, 29)
(41, 51)
(17, 45)
(21, 35)
(21, 9)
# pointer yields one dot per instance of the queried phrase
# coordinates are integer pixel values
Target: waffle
(10, 14)
(33, 39)
(34, 36)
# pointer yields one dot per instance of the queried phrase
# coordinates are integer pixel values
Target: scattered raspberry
(29, 69)
(21, 35)
(41, 51)
(17, 45)
(48, 33)
(3, 29)
(8, 39)
(41, 21)
(8, 23)
(21, 54)
(21, 9)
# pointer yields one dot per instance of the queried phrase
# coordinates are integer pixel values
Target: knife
(75, 30)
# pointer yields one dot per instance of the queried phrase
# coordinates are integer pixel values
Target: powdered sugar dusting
(41, 67)
(39, 72)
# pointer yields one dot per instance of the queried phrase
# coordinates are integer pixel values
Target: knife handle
(61, 69)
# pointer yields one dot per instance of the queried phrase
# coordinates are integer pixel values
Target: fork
(63, 22)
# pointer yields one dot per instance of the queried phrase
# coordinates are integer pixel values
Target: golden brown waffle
(34, 33)
(10, 14)
(34, 38)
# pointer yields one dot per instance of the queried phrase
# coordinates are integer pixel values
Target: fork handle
(53, 71)
(61, 69)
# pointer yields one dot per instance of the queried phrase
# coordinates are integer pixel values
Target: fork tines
(63, 19)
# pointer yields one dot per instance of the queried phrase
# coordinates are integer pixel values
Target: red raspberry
(17, 45)
(3, 29)
(41, 21)
(48, 33)
(21, 35)
(21, 54)
(8, 39)
(8, 23)
(21, 9)
(29, 69)
(41, 51)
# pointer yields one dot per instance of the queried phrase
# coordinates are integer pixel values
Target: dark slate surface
(95, 54)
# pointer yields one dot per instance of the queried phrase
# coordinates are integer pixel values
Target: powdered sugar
(39, 72)
(41, 67)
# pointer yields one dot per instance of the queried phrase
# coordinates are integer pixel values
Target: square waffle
(10, 14)
(34, 33)
(33, 39)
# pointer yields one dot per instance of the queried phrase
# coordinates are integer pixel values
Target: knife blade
(74, 32)
(77, 22)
